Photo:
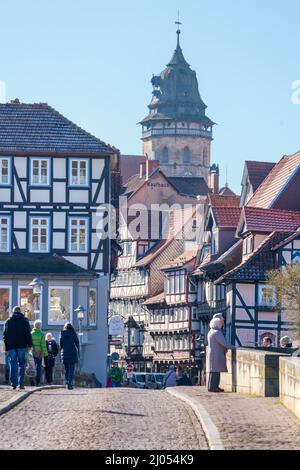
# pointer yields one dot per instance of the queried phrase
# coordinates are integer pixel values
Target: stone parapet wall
(252, 372)
(289, 377)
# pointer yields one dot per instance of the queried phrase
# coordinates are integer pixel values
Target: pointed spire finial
(178, 29)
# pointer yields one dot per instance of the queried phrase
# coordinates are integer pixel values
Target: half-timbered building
(268, 232)
(54, 180)
(173, 321)
(222, 217)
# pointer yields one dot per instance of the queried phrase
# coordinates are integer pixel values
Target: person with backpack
(17, 339)
(116, 375)
(39, 349)
(69, 345)
(49, 360)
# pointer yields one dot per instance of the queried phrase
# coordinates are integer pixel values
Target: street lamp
(37, 285)
(80, 316)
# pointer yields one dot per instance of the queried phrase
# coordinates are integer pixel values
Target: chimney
(150, 167)
(214, 179)
(142, 169)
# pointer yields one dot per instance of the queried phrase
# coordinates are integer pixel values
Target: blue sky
(93, 60)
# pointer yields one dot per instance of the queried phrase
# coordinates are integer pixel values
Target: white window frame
(9, 287)
(8, 159)
(9, 235)
(39, 217)
(40, 160)
(24, 286)
(78, 219)
(71, 305)
(87, 174)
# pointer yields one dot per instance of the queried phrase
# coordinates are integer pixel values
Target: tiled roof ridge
(259, 162)
(192, 254)
(270, 209)
(226, 207)
(158, 298)
(75, 126)
(286, 240)
(250, 258)
(155, 250)
(18, 104)
(277, 167)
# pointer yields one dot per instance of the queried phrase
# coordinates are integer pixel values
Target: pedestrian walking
(170, 378)
(116, 375)
(217, 348)
(17, 338)
(49, 360)
(39, 349)
(69, 345)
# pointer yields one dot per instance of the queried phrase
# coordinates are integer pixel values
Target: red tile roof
(183, 259)
(269, 220)
(153, 253)
(130, 165)
(274, 183)
(226, 191)
(32, 128)
(256, 266)
(226, 217)
(258, 171)
(156, 299)
(217, 200)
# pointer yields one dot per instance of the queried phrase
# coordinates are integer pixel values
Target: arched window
(186, 155)
(165, 155)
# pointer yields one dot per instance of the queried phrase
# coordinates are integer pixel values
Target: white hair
(49, 334)
(37, 324)
(216, 323)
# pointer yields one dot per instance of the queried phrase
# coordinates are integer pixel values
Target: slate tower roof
(175, 92)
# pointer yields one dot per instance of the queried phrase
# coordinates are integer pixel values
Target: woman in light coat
(217, 348)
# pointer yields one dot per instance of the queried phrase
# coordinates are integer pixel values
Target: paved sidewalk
(246, 422)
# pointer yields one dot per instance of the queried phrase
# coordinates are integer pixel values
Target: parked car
(138, 380)
(155, 380)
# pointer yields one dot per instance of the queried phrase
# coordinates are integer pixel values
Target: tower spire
(178, 23)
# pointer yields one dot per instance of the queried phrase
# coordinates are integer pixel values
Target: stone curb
(21, 396)
(211, 432)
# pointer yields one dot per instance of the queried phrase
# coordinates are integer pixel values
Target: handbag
(30, 369)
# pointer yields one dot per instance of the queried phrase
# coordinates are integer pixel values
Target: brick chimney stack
(150, 167)
(214, 179)
(142, 169)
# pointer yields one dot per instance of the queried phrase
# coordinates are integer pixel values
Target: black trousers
(49, 374)
(213, 381)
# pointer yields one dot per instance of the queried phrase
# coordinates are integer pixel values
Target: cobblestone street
(109, 419)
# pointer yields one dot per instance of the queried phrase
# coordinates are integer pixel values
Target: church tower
(176, 131)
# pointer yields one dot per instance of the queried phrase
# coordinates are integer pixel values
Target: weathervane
(178, 23)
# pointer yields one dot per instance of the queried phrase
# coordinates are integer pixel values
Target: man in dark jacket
(17, 338)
